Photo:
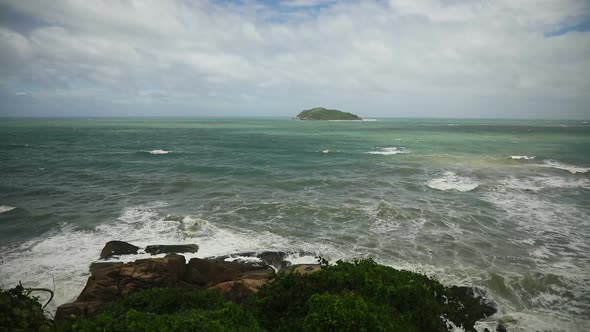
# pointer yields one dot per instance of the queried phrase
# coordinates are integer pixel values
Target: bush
(20, 312)
(350, 295)
(162, 309)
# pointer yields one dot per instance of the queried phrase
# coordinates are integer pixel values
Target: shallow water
(503, 205)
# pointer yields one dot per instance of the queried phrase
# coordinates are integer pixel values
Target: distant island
(320, 113)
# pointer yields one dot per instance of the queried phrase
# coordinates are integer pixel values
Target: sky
(374, 58)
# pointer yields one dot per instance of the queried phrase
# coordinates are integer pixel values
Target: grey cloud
(397, 58)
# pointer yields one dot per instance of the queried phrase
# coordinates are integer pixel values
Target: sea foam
(6, 208)
(158, 151)
(522, 157)
(388, 151)
(452, 181)
(570, 168)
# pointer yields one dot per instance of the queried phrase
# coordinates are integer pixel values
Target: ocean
(499, 204)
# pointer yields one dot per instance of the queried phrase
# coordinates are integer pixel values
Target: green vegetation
(20, 312)
(320, 113)
(359, 295)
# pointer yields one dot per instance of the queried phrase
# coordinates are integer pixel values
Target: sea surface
(502, 205)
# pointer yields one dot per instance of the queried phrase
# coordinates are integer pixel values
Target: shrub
(20, 312)
(360, 292)
(162, 309)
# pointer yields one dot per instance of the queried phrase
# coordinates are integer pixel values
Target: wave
(452, 181)
(541, 182)
(522, 157)
(388, 151)
(6, 208)
(570, 168)
(65, 252)
(158, 151)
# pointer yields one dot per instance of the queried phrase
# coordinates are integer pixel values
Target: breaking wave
(452, 181)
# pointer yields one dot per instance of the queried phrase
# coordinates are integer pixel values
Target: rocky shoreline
(233, 278)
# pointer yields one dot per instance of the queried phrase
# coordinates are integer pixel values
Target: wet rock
(78, 309)
(275, 259)
(111, 283)
(501, 328)
(171, 249)
(305, 268)
(488, 307)
(238, 290)
(116, 248)
(206, 273)
(95, 266)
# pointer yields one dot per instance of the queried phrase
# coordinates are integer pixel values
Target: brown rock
(207, 273)
(305, 268)
(111, 283)
(115, 248)
(238, 290)
(95, 266)
(77, 309)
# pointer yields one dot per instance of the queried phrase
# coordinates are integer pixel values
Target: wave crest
(452, 181)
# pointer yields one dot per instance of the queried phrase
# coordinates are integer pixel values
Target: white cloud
(424, 58)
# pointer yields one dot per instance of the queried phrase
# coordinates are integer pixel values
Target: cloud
(376, 58)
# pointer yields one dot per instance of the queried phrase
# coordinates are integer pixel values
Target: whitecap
(570, 168)
(388, 151)
(522, 157)
(6, 208)
(158, 151)
(325, 151)
(452, 181)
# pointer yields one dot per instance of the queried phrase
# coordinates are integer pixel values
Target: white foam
(570, 168)
(522, 157)
(158, 151)
(452, 181)
(64, 254)
(325, 151)
(538, 183)
(388, 151)
(6, 208)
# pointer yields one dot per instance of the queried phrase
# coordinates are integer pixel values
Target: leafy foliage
(20, 312)
(358, 295)
(162, 309)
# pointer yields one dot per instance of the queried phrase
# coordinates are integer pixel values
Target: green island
(356, 295)
(320, 113)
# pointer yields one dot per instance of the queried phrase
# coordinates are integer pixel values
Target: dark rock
(238, 290)
(274, 259)
(206, 273)
(95, 266)
(171, 249)
(115, 248)
(501, 328)
(78, 309)
(488, 307)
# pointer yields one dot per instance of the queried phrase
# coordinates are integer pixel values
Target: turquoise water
(503, 205)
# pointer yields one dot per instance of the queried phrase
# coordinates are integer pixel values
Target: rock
(305, 268)
(206, 273)
(111, 283)
(238, 290)
(274, 259)
(115, 248)
(488, 307)
(501, 328)
(171, 249)
(95, 266)
(77, 309)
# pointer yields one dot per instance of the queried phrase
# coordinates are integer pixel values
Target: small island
(320, 113)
